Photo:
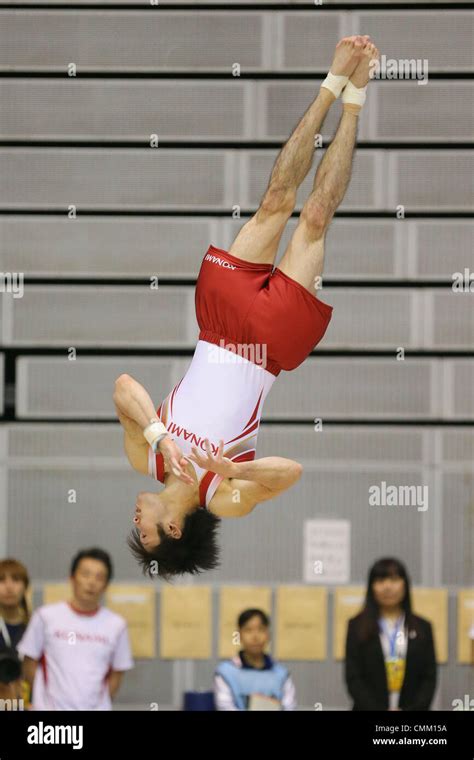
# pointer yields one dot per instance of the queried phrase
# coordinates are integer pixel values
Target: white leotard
(221, 396)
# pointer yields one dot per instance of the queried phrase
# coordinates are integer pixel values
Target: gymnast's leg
(258, 239)
(303, 259)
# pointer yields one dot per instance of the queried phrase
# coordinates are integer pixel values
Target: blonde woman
(14, 613)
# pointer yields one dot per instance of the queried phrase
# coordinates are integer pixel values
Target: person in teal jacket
(252, 677)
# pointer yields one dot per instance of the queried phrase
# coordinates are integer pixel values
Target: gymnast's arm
(135, 409)
(135, 445)
(263, 479)
(248, 483)
(276, 474)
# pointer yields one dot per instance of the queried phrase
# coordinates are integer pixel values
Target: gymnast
(255, 320)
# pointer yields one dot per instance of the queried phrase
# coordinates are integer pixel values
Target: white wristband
(354, 95)
(335, 83)
(153, 431)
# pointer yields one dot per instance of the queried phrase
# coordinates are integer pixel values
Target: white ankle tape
(335, 83)
(354, 95)
(153, 431)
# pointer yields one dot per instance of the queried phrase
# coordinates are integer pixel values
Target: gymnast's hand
(174, 460)
(217, 463)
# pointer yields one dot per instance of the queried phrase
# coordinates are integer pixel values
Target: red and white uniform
(76, 651)
(220, 396)
(254, 321)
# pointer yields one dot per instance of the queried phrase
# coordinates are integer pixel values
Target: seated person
(252, 679)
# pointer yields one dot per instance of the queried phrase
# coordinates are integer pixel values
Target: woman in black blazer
(390, 658)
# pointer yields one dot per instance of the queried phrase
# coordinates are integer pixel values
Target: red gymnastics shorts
(244, 303)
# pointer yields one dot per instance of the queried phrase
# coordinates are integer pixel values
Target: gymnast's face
(151, 511)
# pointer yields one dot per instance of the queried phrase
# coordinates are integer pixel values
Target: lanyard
(5, 633)
(391, 637)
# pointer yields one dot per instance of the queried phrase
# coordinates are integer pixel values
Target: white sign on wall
(327, 551)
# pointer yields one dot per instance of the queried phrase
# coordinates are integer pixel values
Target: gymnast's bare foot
(361, 74)
(348, 54)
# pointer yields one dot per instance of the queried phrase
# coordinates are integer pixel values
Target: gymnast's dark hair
(247, 615)
(195, 552)
(387, 567)
(94, 553)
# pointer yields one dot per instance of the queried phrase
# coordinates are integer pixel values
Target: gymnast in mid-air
(255, 320)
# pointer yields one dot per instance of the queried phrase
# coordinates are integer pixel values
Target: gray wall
(418, 414)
